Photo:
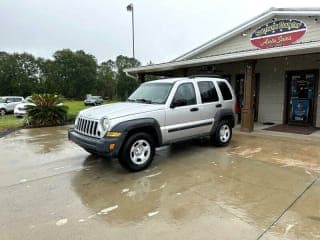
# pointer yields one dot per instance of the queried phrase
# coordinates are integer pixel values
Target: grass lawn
(10, 121)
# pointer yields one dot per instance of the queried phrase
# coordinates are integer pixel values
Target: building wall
(242, 43)
(272, 82)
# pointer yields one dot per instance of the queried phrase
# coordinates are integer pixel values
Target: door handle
(194, 109)
(219, 105)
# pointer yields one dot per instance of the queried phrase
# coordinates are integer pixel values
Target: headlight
(105, 123)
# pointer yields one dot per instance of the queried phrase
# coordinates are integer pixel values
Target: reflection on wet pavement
(52, 189)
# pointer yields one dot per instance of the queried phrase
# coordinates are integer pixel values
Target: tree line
(72, 74)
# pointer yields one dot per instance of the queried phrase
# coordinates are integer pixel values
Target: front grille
(88, 127)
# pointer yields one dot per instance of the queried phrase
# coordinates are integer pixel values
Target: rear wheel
(223, 134)
(137, 152)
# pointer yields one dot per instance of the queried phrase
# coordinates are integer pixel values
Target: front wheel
(138, 152)
(2, 112)
(222, 135)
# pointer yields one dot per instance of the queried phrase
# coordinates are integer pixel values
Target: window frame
(176, 90)
(229, 89)
(214, 87)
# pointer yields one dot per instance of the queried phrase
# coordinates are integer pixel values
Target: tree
(106, 79)
(125, 85)
(19, 74)
(72, 74)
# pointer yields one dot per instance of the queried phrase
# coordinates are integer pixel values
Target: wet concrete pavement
(258, 187)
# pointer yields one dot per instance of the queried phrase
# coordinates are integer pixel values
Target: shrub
(48, 111)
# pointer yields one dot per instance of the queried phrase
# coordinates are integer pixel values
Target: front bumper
(19, 113)
(96, 145)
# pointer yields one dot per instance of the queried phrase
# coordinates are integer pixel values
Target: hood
(116, 110)
(25, 104)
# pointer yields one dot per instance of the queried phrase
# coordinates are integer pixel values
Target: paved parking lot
(258, 187)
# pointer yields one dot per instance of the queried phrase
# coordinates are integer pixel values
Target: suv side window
(225, 91)
(208, 92)
(185, 95)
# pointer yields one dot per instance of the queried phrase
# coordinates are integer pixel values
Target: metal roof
(186, 59)
(248, 24)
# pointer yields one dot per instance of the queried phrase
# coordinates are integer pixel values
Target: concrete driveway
(259, 187)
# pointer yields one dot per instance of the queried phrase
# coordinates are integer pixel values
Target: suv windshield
(151, 93)
(2, 100)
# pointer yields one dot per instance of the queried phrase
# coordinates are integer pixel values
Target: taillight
(236, 106)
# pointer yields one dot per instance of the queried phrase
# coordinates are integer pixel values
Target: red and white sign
(278, 33)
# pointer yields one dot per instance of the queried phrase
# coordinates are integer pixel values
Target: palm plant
(47, 111)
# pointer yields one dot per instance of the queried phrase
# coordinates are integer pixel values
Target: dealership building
(272, 61)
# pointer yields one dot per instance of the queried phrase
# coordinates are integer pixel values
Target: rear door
(210, 102)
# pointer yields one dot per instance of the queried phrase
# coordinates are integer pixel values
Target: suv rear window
(208, 92)
(225, 91)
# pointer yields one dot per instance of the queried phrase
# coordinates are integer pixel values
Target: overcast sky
(164, 29)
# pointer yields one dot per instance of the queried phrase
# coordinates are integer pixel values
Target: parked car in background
(93, 100)
(20, 109)
(8, 103)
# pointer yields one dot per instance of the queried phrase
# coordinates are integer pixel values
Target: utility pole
(130, 9)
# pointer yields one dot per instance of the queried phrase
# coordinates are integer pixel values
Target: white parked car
(93, 100)
(8, 103)
(20, 109)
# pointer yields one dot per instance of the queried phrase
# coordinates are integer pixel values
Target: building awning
(295, 49)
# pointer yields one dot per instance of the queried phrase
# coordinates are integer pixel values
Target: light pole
(130, 9)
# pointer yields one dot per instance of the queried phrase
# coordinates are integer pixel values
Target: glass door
(301, 94)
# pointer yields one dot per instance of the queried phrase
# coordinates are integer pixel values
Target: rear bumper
(98, 146)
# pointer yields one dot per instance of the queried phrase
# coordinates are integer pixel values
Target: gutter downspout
(131, 76)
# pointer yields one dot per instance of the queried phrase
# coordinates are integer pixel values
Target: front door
(183, 116)
(301, 100)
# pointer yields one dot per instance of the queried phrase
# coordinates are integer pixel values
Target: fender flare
(127, 126)
(221, 115)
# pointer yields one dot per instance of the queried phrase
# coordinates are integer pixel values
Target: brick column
(247, 113)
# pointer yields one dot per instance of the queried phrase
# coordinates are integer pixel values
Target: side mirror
(178, 103)
(8, 101)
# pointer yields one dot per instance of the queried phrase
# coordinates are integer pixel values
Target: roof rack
(206, 75)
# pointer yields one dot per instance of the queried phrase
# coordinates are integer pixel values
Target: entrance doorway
(301, 92)
(240, 94)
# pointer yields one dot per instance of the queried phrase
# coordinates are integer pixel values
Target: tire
(222, 135)
(137, 152)
(2, 112)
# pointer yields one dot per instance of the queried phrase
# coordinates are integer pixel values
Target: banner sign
(278, 33)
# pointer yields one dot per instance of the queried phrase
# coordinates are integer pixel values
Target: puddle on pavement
(191, 185)
(181, 182)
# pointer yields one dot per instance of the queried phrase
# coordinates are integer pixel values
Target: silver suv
(158, 113)
(7, 104)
